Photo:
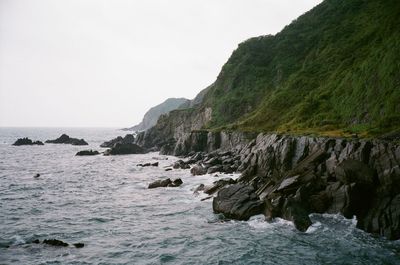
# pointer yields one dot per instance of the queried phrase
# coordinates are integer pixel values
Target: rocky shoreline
(293, 176)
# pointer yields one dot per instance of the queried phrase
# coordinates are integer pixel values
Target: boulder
(160, 183)
(238, 201)
(87, 153)
(165, 183)
(198, 170)
(26, 141)
(180, 164)
(65, 139)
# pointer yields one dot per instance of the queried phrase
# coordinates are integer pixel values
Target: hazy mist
(105, 63)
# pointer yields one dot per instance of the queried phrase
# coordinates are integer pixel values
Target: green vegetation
(333, 71)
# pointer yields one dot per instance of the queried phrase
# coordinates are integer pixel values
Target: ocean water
(103, 202)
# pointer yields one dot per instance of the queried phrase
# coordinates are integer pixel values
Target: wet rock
(218, 185)
(165, 183)
(65, 139)
(148, 165)
(160, 183)
(79, 245)
(180, 164)
(168, 169)
(36, 176)
(55, 242)
(238, 201)
(26, 141)
(36, 241)
(214, 169)
(125, 149)
(87, 153)
(176, 183)
(198, 189)
(198, 170)
(297, 213)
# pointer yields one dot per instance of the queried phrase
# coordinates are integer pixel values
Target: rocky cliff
(151, 116)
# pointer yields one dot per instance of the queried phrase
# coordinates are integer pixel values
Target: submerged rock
(55, 242)
(87, 153)
(148, 165)
(65, 139)
(26, 141)
(79, 245)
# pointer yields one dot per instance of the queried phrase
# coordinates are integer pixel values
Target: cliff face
(152, 115)
(334, 71)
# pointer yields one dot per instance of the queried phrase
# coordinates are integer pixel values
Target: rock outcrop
(26, 141)
(87, 153)
(65, 139)
(125, 149)
(127, 139)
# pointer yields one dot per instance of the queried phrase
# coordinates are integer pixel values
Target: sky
(104, 63)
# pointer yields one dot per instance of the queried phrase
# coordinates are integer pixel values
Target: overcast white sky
(105, 63)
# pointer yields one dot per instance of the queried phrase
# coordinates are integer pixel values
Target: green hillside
(335, 70)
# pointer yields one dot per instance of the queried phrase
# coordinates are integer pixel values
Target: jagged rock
(218, 185)
(79, 245)
(238, 201)
(124, 149)
(26, 141)
(350, 171)
(180, 164)
(165, 183)
(160, 183)
(55, 242)
(87, 153)
(198, 170)
(295, 212)
(176, 183)
(128, 139)
(214, 169)
(65, 139)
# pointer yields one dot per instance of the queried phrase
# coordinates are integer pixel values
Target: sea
(103, 202)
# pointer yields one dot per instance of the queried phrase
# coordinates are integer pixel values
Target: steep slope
(333, 70)
(152, 115)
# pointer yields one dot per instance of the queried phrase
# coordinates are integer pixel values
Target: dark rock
(87, 153)
(36, 176)
(214, 169)
(206, 198)
(79, 245)
(168, 169)
(199, 188)
(295, 212)
(180, 164)
(176, 183)
(128, 139)
(55, 242)
(36, 241)
(218, 185)
(154, 164)
(148, 165)
(125, 149)
(65, 139)
(26, 141)
(350, 171)
(238, 201)
(198, 170)
(160, 183)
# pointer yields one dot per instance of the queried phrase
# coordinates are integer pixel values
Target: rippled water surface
(103, 202)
